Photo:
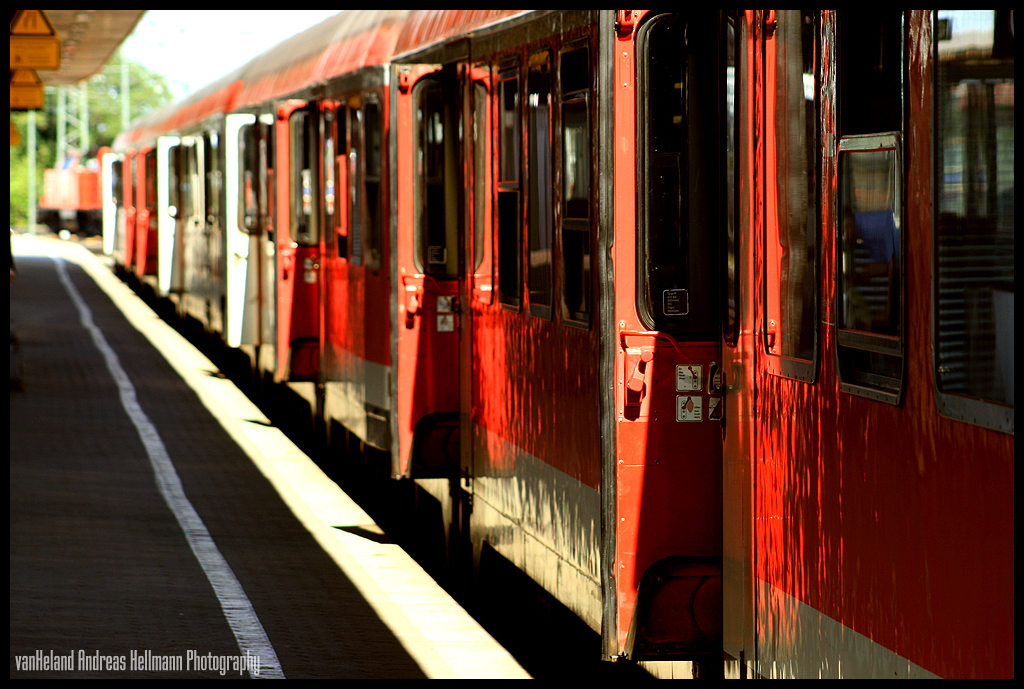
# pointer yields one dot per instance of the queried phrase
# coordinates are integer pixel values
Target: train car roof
(423, 29)
(343, 43)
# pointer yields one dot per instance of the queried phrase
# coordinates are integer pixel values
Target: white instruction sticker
(689, 377)
(689, 408)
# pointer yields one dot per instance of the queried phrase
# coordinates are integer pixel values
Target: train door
(215, 257)
(298, 242)
(236, 231)
(356, 283)
(146, 218)
(668, 496)
(739, 346)
(125, 247)
(478, 289)
(192, 225)
(167, 211)
(113, 171)
(254, 193)
(430, 220)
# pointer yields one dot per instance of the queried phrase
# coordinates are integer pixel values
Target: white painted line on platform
(238, 611)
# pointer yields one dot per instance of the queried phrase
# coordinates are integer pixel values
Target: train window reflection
(870, 217)
(869, 221)
(678, 241)
(372, 185)
(974, 195)
(576, 193)
(870, 266)
(509, 225)
(304, 161)
(541, 230)
(438, 177)
(249, 187)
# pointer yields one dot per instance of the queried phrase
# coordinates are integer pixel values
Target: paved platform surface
(111, 575)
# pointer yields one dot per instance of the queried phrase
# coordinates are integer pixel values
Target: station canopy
(88, 39)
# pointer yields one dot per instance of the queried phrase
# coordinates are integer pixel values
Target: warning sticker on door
(689, 377)
(689, 408)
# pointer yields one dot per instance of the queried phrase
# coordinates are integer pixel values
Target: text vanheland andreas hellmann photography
(137, 661)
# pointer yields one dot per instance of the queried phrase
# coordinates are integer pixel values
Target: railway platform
(160, 526)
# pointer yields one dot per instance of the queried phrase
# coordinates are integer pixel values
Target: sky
(192, 48)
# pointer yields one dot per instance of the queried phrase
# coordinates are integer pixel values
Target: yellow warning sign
(34, 42)
(26, 90)
(32, 23)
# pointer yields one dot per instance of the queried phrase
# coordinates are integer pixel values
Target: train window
(510, 134)
(330, 181)
(186, 183)
(118, 184)
(438, 176)
(974, 224)
(509, 227)
(576, 279)
(173, 197)
(372, 183)
(151, 182)
(870, 72)
(870, 206)
(211, 190)
(355, 181)
(341, 184)
(194, 181)
(267, 192)
(791, 236)
(248, 188)
(538, 171)
(731, 167)
(303, 149)
(132, 193)
(679, 150)
(870, 265)
(481, 141)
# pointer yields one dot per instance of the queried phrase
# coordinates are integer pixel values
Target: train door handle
(415, 287)
(635, 380)
(415, 299)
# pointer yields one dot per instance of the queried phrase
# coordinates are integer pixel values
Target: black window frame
(577, 212)
(870, 340)
(304, 180)
(540, 224)
(509, 228)
(437, 193)
(691, 312)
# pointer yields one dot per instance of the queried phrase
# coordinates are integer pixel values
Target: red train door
(298, 242)
(430, 228)
(127, 241)
(742, 194)
(146, 214)
(667, 325)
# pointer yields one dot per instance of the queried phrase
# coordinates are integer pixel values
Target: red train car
(869, 406)
(703, 320)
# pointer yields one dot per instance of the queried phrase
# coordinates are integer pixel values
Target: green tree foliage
(147, 92)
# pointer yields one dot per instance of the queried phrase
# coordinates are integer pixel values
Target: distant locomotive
(72, 198)
(702, 320)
